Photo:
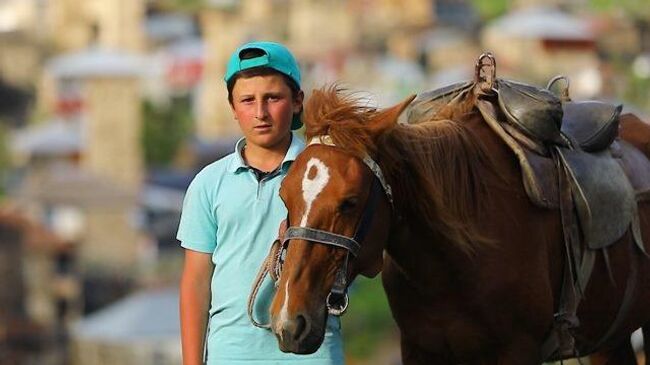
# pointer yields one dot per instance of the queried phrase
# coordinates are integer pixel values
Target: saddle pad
(427, 104)
(603, 195)
(635, 164)
(604, 198)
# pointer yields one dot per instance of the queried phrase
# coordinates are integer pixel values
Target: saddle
(570, 160)
(536, 125)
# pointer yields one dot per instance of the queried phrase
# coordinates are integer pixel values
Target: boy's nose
(261, 111)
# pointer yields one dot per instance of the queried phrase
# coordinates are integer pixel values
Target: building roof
(149, 315)
(544, 23)
(56, 137)
(96, 61)
(66, 184)
(169, 26)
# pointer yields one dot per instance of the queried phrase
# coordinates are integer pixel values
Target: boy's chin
(266, 140)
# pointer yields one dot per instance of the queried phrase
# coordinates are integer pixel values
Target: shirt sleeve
(198, 227)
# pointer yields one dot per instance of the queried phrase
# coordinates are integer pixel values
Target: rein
(337, 300)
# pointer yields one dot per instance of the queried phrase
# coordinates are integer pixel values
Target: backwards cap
(273, 55)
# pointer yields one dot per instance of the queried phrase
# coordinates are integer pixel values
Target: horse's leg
(623, 354)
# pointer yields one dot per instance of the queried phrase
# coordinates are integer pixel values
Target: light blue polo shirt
(229, 214)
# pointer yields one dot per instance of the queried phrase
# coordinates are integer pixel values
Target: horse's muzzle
(299, 334)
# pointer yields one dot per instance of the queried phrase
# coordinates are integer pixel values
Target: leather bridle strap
(337, 299)
(369, 211)
(326, 140)
(317, 235)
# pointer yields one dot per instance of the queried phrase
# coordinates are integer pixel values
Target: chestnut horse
(472, 269)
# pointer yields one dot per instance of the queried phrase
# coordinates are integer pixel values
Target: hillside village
(108, 108)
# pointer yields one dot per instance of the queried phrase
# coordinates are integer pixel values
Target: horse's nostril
(301, 324)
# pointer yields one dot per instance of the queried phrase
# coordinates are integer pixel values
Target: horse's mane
(433, 166)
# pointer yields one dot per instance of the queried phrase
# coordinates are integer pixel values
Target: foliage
(368, 320)
(184, 5)
(165, 128)
(634, 8)
(491, 9)
(638, 92)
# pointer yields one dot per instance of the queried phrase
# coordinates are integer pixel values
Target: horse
(472, 269)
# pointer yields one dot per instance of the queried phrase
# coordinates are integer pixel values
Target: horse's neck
(428, 263)
(423, 250)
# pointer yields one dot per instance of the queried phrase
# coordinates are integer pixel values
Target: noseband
(337, 300)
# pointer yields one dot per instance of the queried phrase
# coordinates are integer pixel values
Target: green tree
(490, 9)
(369, 321)
(165, 129)
(183, 5)
(634, 8)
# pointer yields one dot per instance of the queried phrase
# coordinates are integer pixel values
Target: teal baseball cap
(272, 55)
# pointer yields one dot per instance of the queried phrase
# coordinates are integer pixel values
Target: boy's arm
(194, 304)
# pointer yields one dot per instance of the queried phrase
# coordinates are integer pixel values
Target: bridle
(337, 300)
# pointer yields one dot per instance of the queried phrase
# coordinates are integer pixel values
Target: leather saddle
(535, 124)
(572, 161)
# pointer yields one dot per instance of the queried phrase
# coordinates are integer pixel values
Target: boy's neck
(266, 158)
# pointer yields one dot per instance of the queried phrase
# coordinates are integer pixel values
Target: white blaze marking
(310, 190)
(284, 312)
(312, 187)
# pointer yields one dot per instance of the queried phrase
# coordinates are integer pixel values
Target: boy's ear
(298, 102)
(387, 118)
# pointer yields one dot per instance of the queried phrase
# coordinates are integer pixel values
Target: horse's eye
(348, 204)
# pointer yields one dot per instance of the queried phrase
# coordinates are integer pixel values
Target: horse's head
(339, 210)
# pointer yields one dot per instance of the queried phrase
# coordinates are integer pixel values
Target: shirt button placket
(260, 185)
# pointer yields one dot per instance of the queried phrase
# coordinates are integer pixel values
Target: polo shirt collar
(238, 163)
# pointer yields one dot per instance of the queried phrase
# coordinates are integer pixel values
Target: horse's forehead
(341, 165)
(318, 162)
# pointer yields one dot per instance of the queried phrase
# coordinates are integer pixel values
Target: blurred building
(538, 43)
(20, 42)
(82, 171)
(115, 24)
(449, 48)
(39, 291)
(223, 30)
(141, 329)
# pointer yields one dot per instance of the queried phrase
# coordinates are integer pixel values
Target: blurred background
(109, 107)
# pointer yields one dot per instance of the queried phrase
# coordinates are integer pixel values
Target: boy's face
(264, 108)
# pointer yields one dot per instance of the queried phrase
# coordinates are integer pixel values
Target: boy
(231, 214)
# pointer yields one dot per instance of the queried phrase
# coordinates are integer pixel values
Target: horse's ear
(387, 118)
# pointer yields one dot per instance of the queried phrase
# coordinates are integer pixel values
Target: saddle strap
(533, 190)
(560, 343)
(555, 348)
(628, 299)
